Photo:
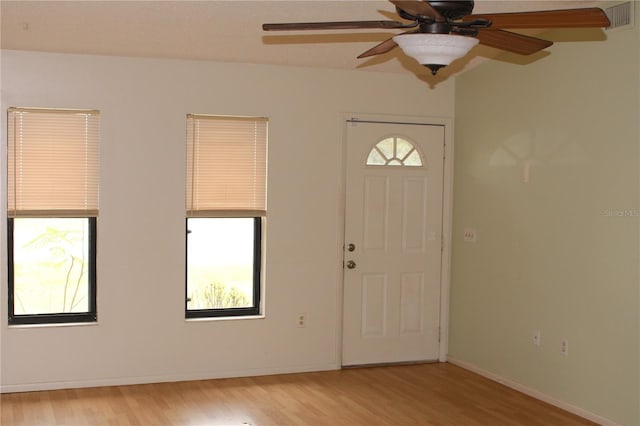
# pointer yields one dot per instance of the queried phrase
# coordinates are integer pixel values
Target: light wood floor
(426, 394)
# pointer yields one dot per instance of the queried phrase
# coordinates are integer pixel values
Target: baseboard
(140, 380)
(533, 393)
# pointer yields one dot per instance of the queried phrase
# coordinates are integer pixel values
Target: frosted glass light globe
(435, 49)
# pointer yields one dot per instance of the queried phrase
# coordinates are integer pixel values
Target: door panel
(414, 205)
(375, 214)
(393, 218)
(374, 304)
(411, 296)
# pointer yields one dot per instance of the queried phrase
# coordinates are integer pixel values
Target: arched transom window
(394, 151)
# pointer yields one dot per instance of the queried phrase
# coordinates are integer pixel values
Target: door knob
(351, 264)
(351, 247)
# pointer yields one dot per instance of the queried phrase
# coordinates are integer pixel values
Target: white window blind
(226, 166)
(53, 162)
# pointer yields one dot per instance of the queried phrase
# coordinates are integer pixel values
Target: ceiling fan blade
(346, 25)
(384, 47)
(418, 8)
(567, 18)
(512, 42)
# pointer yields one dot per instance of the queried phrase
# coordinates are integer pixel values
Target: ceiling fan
(440, 31)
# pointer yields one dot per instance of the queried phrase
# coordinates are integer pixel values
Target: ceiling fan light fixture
(435, 50)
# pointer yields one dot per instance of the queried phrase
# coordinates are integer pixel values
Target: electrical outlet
(536, 337)
(469, 235)
(302, 320)
(564, 346)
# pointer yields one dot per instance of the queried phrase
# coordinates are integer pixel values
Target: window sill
(51, 325)
(231, 318)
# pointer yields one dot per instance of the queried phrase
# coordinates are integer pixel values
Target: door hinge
(439, 332)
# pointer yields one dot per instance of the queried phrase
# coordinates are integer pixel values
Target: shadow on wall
(538, 147)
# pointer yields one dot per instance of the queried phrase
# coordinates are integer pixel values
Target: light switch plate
(470, 235)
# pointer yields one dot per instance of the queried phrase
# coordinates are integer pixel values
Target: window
(394, 151)
(226, 210)
(52, 176)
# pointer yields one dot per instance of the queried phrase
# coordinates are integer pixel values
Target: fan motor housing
(453, 9)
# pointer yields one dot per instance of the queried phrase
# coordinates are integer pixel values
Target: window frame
(62, 317)
(226, 177)
(255, 309)
(73, 195)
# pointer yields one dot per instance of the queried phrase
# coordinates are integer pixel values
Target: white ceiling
(228, 31)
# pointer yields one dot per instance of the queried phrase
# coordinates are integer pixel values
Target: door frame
(447, 218)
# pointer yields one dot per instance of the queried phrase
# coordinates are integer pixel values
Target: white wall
(141, 333)
(560, 253)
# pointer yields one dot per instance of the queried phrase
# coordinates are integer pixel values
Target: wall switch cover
(470, 235)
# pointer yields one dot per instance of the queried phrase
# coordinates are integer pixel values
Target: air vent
(620, 15)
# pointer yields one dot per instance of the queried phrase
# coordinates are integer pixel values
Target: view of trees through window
(220, 264)
(50, 265)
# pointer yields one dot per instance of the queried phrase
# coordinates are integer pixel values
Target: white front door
(393, 240)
